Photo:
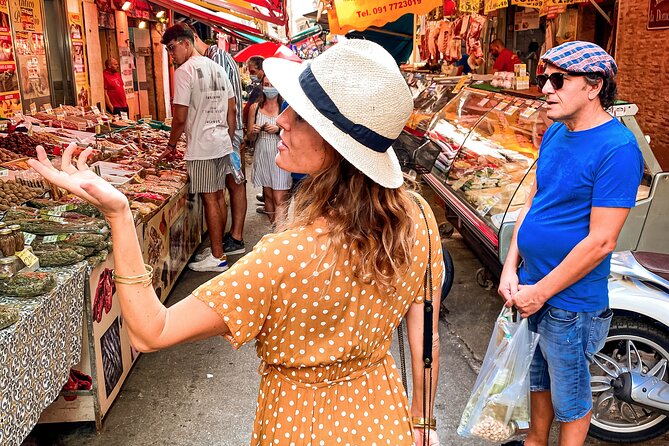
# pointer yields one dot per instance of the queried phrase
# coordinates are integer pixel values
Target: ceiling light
(160, 14)
(142, 25)
(126, 6)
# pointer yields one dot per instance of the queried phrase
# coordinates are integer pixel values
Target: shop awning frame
(276, 13)
(206, 16)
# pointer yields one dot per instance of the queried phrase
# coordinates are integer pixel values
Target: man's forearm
(176, 132)
(513, 256)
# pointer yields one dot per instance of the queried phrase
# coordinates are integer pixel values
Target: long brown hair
(372, 220)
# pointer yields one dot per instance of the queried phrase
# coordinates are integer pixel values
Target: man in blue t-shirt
(588, 172)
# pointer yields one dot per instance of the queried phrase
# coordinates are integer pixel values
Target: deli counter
(480, 158)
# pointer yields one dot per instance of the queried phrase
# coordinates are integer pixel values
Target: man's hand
(528, 300)
(508, 285)
(166, 152)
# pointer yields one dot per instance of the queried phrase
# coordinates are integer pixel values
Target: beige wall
(95, 63)
(644, 73)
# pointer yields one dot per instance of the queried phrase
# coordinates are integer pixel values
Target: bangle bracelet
(146, 282)
(147, 274)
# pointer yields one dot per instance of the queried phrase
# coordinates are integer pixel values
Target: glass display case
(481, 158)
(430, 100)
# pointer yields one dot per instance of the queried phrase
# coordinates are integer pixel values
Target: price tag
(3, 126)
(33, 108)
(53, 218)
(54, 238)
(28, 238)
(483, 102)
(501, 106)
(95, 109)
(89, 124)
(27, 257)
(48, 108)
(63, 208)
(488, 204)
(529, 111)
(511, 110)
(460, 84)
(4, 172)
(18, 116)
(60, 116)
(30, 129)
(124, 116)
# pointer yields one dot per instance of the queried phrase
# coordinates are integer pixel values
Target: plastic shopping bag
(500, 403)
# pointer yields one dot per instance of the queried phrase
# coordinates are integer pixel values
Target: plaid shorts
(207, 176)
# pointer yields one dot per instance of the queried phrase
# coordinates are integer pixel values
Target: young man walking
(204, 108)
(588, 172)
(233, 241)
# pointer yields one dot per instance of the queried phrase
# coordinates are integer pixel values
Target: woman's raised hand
(81, 181)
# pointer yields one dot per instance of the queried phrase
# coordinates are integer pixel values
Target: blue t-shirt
(576, 171)
(464, 62)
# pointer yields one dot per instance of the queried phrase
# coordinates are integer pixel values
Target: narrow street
(204, 394)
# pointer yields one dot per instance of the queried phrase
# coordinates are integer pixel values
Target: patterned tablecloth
(37, 352)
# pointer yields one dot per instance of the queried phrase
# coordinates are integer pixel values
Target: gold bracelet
(146, 282)
(147, 274)
(424, 423)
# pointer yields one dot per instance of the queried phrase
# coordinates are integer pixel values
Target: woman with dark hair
(322, 298)
(264, 133)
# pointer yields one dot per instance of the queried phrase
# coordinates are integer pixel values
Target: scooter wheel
(614, 420)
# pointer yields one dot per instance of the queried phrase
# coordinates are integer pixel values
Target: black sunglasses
(557, 79)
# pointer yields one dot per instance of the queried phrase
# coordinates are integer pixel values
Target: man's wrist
(171, 146)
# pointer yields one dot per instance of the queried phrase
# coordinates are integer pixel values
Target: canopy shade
(265, 50)
(237, 15)
(348, 15)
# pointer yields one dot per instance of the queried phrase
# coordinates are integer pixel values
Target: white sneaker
(210, 263)
(206, 252)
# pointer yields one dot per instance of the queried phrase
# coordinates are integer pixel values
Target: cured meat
(476, 24)
(445, 37)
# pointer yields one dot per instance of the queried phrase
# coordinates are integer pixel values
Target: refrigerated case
(481, 160)
(430, 96)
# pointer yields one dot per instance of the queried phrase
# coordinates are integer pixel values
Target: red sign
(658, 14)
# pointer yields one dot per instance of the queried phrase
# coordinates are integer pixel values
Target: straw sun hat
(356, 98)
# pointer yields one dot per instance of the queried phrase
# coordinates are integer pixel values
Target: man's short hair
(108, 62)
(497, 42)
(256, 61)
(177, 32)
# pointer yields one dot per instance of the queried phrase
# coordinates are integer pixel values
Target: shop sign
(470, 6)
(658, 14)
(527, 19)
(359, 15)
(552, 11)
(494, 5)
(536, 4)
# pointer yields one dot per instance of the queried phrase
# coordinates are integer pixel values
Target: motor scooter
(630, 383)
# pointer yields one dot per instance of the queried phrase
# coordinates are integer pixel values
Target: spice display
(7, 243)
(8, 155)
(9, 315)
(28, 284)
(20, 143)
(47, 227)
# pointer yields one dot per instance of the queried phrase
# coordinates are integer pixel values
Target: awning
(396, 37)
(231, 15)
(349, 15)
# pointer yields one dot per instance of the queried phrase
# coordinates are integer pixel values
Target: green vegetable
(61, 257)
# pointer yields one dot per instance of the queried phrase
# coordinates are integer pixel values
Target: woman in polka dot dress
(322, 297)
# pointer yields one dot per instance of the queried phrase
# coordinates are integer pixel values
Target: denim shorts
(567, 343)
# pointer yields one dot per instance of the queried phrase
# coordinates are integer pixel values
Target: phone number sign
(359, 15)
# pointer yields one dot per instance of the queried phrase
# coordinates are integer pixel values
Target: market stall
(481, 161)
(59, 231)
(38, 348)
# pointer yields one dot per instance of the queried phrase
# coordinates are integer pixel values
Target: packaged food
(7, 242)
(9, 266)
(28, 284)
(60, 257)
(19, 240)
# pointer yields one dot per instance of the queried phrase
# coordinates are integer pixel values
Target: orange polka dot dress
(323, 338)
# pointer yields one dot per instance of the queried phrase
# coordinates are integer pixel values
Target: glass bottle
(7, 242)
